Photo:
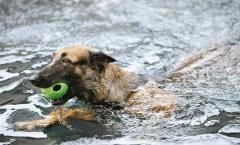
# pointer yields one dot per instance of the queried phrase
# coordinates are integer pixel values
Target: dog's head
(77, 66)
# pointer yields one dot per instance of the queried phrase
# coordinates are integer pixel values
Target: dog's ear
(99, 60)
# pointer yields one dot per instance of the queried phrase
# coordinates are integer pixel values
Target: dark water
(148, 37)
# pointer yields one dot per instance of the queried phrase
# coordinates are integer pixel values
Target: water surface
(148, 37)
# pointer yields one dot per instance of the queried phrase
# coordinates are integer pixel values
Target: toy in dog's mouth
(57, 93)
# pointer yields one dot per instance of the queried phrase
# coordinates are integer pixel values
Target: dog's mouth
(58, 102)
(62, 100)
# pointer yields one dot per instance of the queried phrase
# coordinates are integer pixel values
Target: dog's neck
(115, 84)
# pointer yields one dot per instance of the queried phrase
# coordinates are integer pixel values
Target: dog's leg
(59, 116)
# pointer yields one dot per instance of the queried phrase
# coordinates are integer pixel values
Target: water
(148, 37)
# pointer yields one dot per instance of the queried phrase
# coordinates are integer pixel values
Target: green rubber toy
(55, 91)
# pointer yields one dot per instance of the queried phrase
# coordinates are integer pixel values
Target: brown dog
(93, 77)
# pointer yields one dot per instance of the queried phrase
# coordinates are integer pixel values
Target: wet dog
(95, 78)
(91, 76)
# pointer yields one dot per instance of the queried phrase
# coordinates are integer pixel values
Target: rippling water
(148, 37)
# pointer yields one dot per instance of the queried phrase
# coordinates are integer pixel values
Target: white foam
(24, 134)
(37, 65)
(209, 110)
(34, 100)
(10, 86)
(94, 141)
(205, 139)
(13, 58)
(151, 58)
(211, 122)
(6, 128)
(4, 75)
(37, 99)
(230, 128)
(29, 71)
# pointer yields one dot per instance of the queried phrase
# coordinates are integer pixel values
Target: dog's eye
(65, 60)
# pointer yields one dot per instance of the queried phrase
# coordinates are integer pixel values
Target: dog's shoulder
(149, 99)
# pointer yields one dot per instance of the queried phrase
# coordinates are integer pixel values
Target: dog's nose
(40, 81)
(35, 80)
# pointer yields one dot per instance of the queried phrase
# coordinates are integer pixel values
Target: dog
(95, 78)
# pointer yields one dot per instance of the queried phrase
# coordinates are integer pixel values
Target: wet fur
(59, 116)
(94, 77)
(114, 85)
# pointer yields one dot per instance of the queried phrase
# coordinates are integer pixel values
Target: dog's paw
(25, 125)
(31, 125)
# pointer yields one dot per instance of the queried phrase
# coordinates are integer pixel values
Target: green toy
(55, 91)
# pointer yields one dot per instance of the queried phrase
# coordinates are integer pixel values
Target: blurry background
(148, 37)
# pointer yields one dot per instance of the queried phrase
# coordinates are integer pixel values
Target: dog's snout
(36, 80)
